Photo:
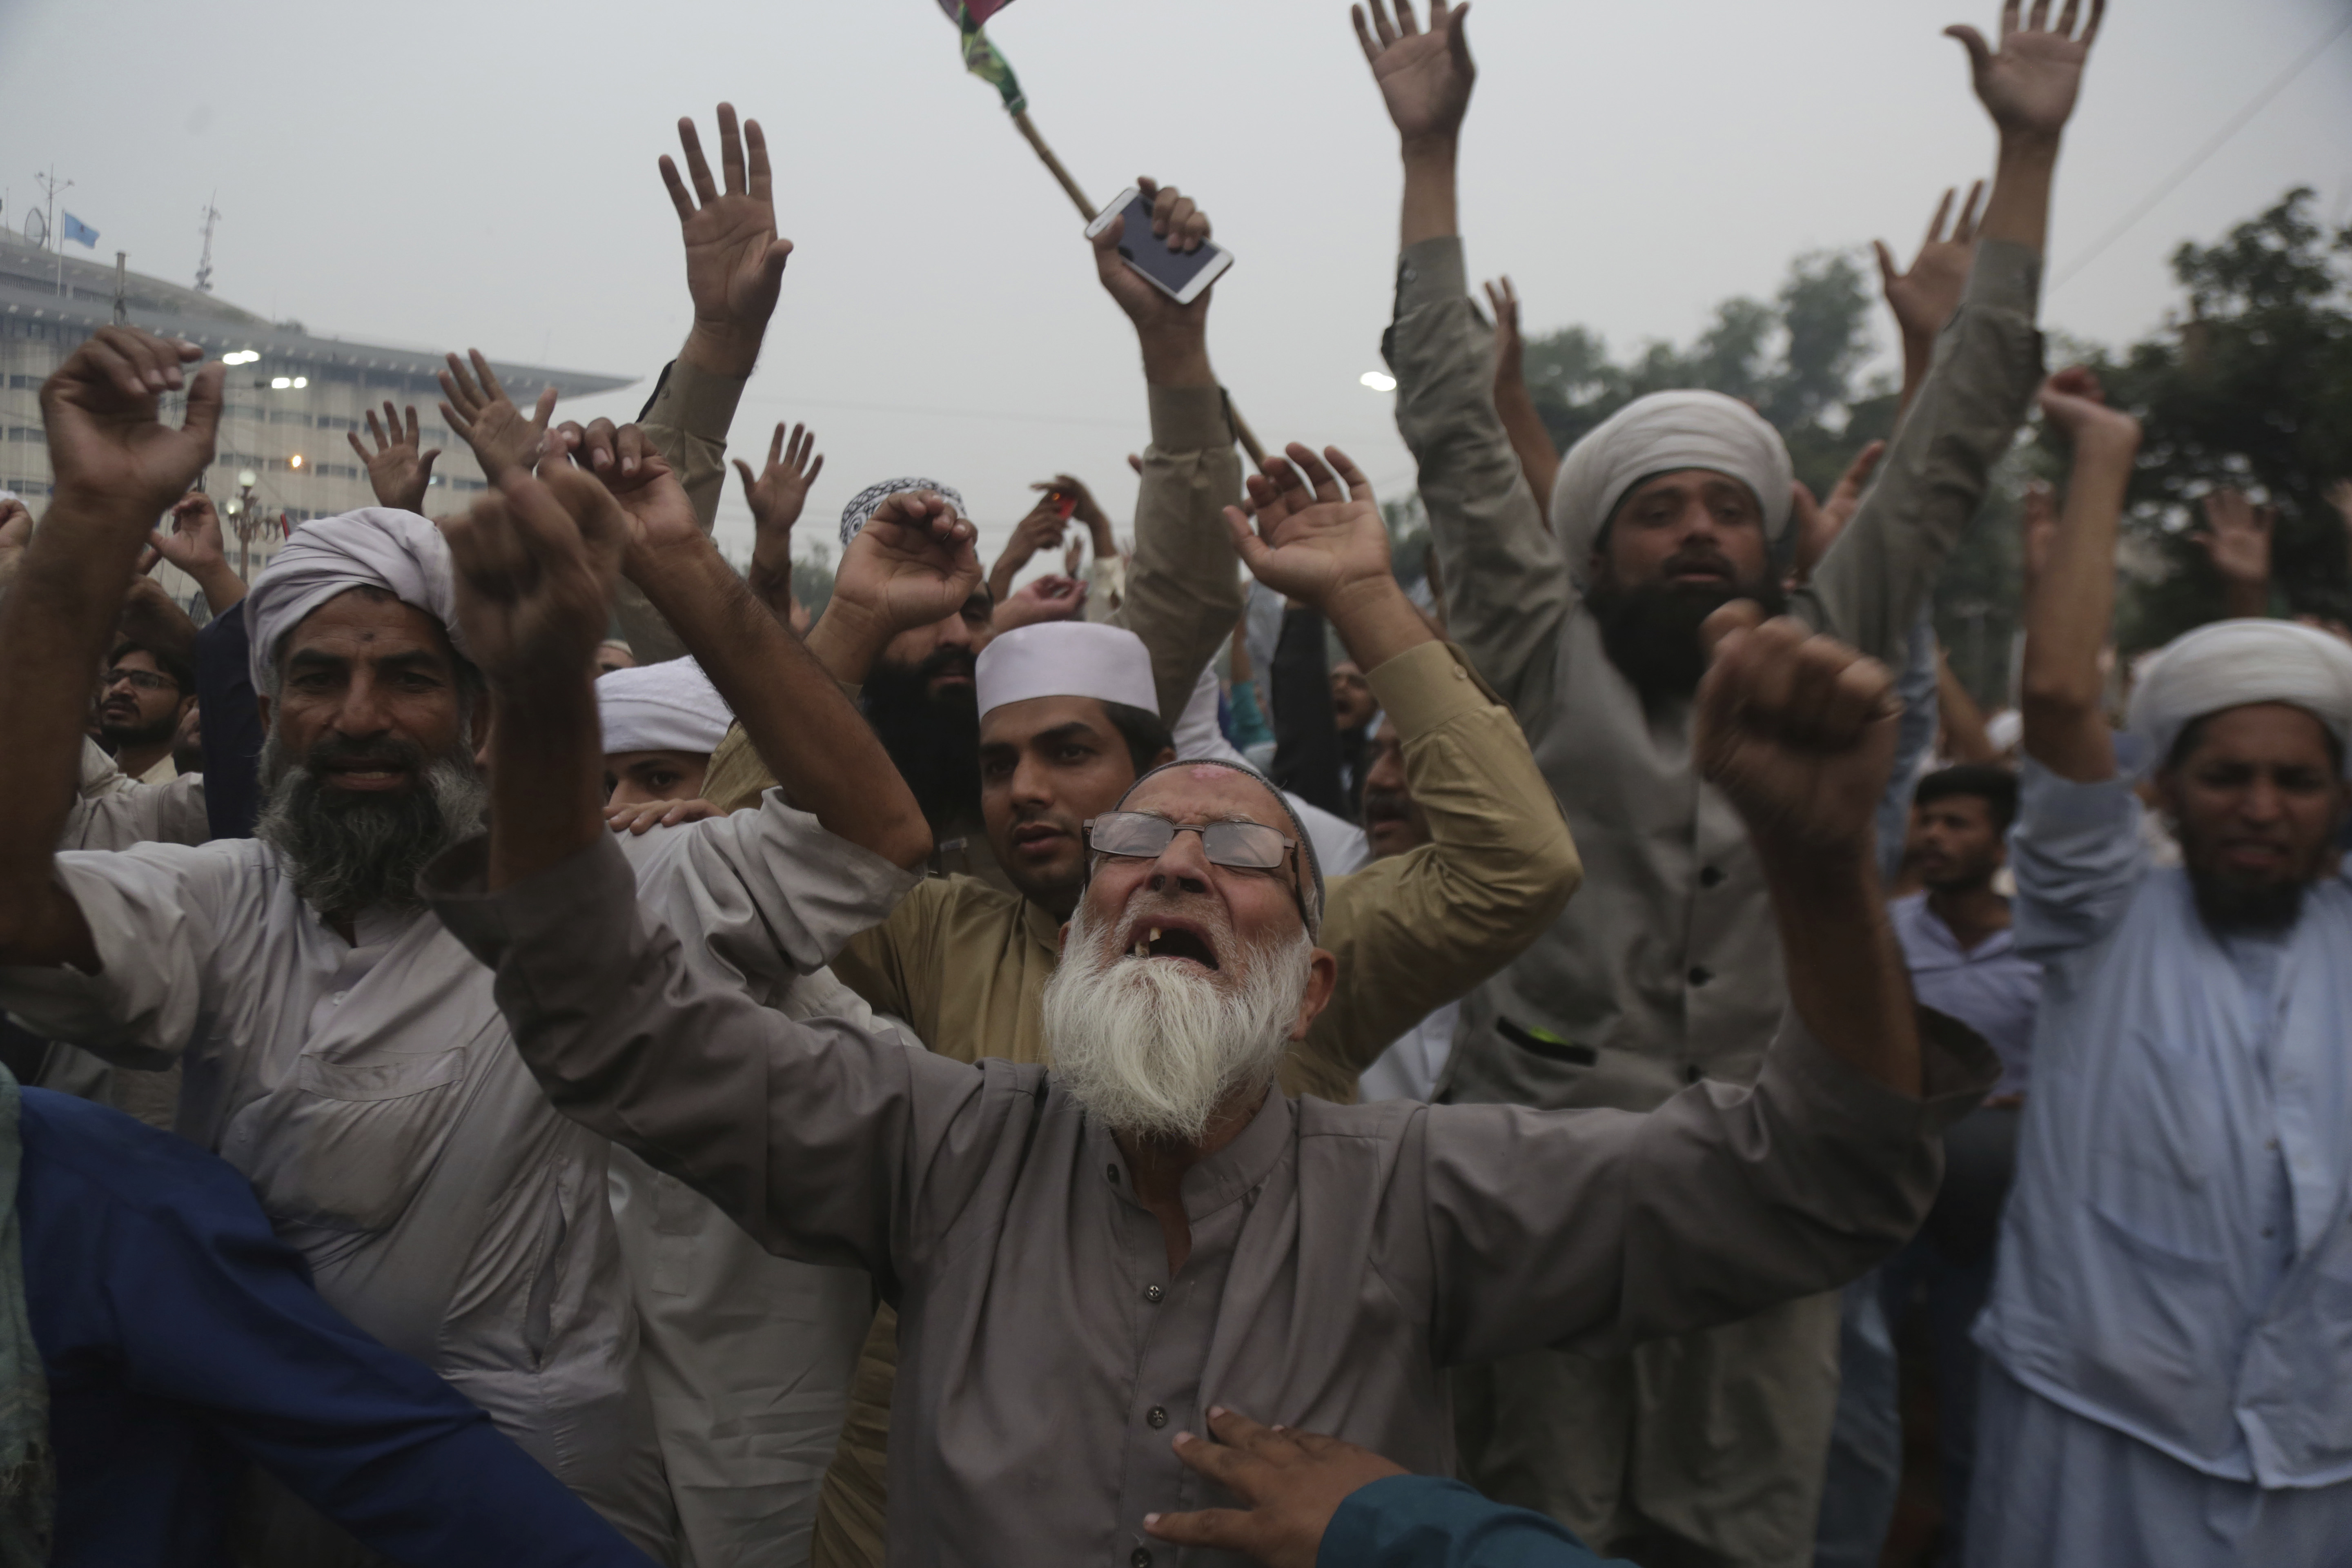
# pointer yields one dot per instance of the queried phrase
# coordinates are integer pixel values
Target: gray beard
(346, 852)
(1150, 1048)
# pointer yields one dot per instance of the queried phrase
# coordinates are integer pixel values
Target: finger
(1364, 34)
(677, 188)
(1247, 543)
(115, 368)
(776, 444)
(1980, 52)
(731, 150)
(456, 421)
(1457, 38)
(1888, 275)
(2098, 13)
(755, 143)
(1406, 26)
(1862, 692)
(2065, 28)
(815, 467)
(414, 437)
(697, 167)
(1965, 231)
(546, 409)
(1163, 204)
(1740, 616)
(1238, 1431)
(1800, 501)
(207, 397)
(1225, 1528)
(595, 452)
(354, 438)
(424, 465)
(2038, 19)
(2008, 11)
(1936, 223)
(1220, 1463)
(1319, 478)
(1386, 26)
(492, 387)
(634, 448)
(750, 484)
(1358, 487)
(459, 385)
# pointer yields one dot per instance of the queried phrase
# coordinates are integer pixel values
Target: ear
(1167, 755)
(1322, 978)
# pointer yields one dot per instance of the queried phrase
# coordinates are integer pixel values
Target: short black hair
(1996, 786)
(170, 661)
(2192, 735)
(1145, 735)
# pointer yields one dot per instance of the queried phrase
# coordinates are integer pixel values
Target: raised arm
(195, 546)
(1924, 298)
(399, 469)
(1184, 594)
(1986, 364)
(2071, 609)
(1417, 930)
(1506, 586)
(776, 496)
(2236, 539)
(1042, 528)
(1513, 403)
(118, 468)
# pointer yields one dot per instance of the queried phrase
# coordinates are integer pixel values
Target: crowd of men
(534, 1051)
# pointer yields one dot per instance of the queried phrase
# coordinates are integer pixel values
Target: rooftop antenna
(122, 305)
(204, 264)
(50, 186)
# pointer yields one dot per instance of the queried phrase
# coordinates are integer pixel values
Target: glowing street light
(1378, 380)
(295, 461)
(240, 356)
(281, 383)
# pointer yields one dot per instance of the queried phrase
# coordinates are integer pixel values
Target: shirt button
(1110, 1174)
(1157, 1415)
(1154, 1294)
(1700, 974)
(1710, 876)
(1139, 1558)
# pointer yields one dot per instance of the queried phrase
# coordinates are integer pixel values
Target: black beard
(1650, 632)
(345, 851)
(934, 740)
(2246, 909)
(115, 737)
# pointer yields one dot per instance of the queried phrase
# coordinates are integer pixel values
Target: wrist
(846, 639)
(723, 348)
(1176, 356)
(1432, 151)
(1833, 870)
(1374, 619)
(2019, 144)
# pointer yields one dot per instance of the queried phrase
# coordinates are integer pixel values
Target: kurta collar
(1233, 1173)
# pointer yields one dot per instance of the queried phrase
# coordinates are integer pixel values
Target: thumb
(1247, 543)
(546, 408)
(1727, 624)
(1980, 52)
(204, 403)
(744, 468)
(772, 266)
(1457, 40)
(1887, 273)
(1802, 501)
(425, 462)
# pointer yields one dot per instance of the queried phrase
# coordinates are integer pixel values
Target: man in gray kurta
(1086, 1257)
(1666, 969)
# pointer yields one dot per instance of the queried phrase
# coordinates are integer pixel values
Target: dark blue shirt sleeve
(162, 1253)
(231, 725)
(1428, 1521)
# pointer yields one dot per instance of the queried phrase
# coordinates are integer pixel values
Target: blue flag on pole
(79, 232)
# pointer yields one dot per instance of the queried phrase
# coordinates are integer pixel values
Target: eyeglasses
(144, 680)
(1141, 835)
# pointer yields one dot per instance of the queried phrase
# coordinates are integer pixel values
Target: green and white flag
(980, 56)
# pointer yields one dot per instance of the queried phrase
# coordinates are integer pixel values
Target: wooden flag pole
(1087, 210)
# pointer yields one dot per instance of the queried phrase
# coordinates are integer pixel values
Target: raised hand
(1314, 543)
(479, 410)
(1425, 78)
(107, 447)
(1798, 730)
(1045, 598)
(1292, 1482)
(1178, 223)
(913, 565)
(16, 533)
(2237, 539)
(1510, 346)
(1818, 523)
(660, 517)
(734, 261)
(535, 560)
(777, 495)
(2029, 85)
(194, 545)
(2074, 402)
(397, 470)
(1924, 298)
(1042, 528)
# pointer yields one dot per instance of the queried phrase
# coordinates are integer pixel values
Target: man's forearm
(1845, 973)
(221, 586)
(819, 748)
(1429, 184)
(2069, 615)
(2018, 208)
(1176, 356)
(1529, 440)
(1376, 621)
(547, 775)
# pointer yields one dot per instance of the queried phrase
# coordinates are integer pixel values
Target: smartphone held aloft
(1182, 275)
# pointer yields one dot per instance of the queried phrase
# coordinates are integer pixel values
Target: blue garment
(1428, 1521)
(180, 1338)
(231, 725)
(1244, 722)
(1993, 989)
(2176, 1260)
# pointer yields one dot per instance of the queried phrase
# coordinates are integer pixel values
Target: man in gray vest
(1706, 1448)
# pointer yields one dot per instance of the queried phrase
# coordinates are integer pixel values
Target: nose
(1182, 867)
(2262, 802)
(953, 633)
(363, 714)
(1032, 782)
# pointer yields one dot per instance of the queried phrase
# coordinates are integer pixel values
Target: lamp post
(241, 512)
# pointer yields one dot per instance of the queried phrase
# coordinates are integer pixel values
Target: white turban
(1657, 434)
(2230, 664)
(374, 547)
(666, 707)
(1065, 658)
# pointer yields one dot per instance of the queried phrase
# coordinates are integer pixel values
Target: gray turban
(2230, 664)
(1313, 889)
(1657, 434)
(374, 547)
(868, 501)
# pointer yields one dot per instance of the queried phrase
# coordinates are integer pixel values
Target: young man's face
(138, 704)
(1955, 844)
(1047, 766)
(1351, 695)
(640, 778)
(1393, 820)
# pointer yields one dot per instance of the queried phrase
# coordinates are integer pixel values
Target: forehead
(357, 623)
(1205, 794)
(1960, 806)
(1018, 723)
(2273, 732)
(137, 658)
(1689, 482)
(622, 762)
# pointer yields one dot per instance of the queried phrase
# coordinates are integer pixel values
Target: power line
(2171, 182)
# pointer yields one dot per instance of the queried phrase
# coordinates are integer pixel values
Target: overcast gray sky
(446, 174)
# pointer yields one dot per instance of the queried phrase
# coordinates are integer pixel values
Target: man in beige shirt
(1088, 1257)
(1667, 968)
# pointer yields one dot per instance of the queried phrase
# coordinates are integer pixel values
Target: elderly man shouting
(1085, 1257)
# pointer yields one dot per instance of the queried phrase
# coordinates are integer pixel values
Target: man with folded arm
(1086, 1257)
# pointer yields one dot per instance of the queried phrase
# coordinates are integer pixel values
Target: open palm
(1312, 539)
(1425, 78)
(734, 262)
(2030, 83)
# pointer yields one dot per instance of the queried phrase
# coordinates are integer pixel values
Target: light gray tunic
(1342, 1256)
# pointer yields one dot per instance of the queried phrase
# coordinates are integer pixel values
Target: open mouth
(1169, 940)
(365, 775)
(1037, 838)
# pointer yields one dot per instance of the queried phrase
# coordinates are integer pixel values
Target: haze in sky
(443, 175)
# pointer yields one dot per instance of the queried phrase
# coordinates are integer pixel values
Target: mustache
(1387, 806)
(948, 661)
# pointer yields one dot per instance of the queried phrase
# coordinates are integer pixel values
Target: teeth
(1155, 933)
(1142, 950)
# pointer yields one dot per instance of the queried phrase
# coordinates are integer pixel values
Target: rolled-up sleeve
(1506, 583)
(1183, 587)
(1416, 931)
(1596, 1229)
(2078, 858)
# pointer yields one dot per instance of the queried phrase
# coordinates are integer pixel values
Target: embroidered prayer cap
(2230, 664)
(1065, 658)
(868, 501)
(1657, 434)
(374, 547)
(666, 707)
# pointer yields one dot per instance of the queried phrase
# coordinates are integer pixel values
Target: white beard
(1150, 1046)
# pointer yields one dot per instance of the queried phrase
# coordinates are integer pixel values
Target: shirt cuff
(2005, 275)
(697, 403)
(1189, 418)
(2050, 807)
(1430, 271)
(1957, 1071)
(1426, 686)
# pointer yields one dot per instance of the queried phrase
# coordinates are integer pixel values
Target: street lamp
(240, 508)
